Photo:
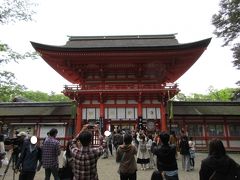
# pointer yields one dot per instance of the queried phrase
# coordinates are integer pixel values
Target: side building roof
(36, 109)
(181, 108)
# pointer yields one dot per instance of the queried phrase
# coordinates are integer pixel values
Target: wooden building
(37, 119)
(122, 81)
(201, 120)
(207, 120)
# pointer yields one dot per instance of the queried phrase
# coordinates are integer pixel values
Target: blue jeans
(53, 171)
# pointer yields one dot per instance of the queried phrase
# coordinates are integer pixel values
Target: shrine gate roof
(159, 55)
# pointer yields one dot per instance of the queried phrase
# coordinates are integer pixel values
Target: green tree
(38, 96)
(8, 87)
(16, 10)
(12, 11)
(227, 94)
(227, 23)
(222, 94)
(58, 97)
(180, 97)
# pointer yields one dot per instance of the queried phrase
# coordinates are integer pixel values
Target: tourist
(21, 139)
(50, 153)
(66, 173)
(218, 165)
(149, 146)
(135, 141)
(85, 156)
(2, 149)
(48, 135)
(126, 157)
(192, 152)
(142, 154)
(105, 144)
(166, 159)
(174, 141)
(184, 151)
(156, 175)
(67, 157)
(117, 139)
(30, 159)
(110, 143)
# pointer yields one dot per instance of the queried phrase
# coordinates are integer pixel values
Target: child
(192, 152)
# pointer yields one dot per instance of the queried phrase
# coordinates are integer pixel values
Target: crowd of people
(151, 151)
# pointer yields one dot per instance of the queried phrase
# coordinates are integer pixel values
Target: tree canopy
(227, 23)
(12, 11)
(16, 10)
(227, 94)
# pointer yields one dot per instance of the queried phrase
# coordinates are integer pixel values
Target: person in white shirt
(192, 152)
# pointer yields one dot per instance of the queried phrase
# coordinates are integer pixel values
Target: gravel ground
(107, 169)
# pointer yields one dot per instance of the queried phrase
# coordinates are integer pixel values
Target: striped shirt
(50, 153)
(85, 162)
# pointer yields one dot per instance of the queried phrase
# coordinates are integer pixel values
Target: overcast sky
(56, 19)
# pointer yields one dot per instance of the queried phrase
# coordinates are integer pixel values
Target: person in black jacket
(30, 160)
(184, 151)
(166, 157)
(117, 139)
(218, 166)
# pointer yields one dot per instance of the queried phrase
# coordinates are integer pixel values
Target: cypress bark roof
(65, 108)
(206, 108)
(36, 109)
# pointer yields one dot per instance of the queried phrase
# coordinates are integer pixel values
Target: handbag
(65, 173)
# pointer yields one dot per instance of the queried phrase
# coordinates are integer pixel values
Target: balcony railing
(167, 86)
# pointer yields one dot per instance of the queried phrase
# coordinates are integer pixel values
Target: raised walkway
(107, 170)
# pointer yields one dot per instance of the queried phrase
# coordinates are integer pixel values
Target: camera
(91, 123)
(13, 141)
(91, 127)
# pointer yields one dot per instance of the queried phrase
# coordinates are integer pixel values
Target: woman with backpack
(142, 155)
(184, 151)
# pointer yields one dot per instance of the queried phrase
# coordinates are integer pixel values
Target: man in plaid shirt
(85, 157)
(50, 153)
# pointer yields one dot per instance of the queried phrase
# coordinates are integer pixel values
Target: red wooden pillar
(205, 132)
(226, 133)
(163, 117)
(102, 117)
(139, 110)
(101, 110)
(79, 119)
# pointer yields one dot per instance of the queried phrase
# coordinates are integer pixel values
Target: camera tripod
(13, 160)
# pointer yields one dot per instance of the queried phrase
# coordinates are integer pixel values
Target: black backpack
(233, 174)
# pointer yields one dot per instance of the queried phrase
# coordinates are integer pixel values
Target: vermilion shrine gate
(123, 81)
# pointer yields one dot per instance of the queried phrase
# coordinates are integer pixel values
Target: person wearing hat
(22, 134)
(22, 138)
(30, 159)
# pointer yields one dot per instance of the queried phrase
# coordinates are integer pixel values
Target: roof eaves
(199, 44)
